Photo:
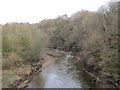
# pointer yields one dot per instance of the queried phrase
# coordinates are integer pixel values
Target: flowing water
(62, 74)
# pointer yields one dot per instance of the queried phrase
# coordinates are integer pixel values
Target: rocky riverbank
(46, 59)
(24, 80)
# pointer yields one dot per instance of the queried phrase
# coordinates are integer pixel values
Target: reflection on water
(59, 75)
(37, 82)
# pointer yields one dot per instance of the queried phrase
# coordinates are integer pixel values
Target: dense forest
(91, 36)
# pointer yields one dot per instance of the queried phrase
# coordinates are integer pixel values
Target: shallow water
(61, 74)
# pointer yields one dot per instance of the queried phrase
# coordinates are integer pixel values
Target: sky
(34, 11)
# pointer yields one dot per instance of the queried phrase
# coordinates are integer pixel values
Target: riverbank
(91, 66)
(49, 57)
(25, 74)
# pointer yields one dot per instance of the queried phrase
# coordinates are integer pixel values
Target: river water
(62, 74)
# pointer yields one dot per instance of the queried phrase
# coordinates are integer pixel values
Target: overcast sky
(33, 11)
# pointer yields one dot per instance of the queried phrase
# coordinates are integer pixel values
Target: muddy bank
(100, 80)
(46, 59)
(25, 79)
(49, 57)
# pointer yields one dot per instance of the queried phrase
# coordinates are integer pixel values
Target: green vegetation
(93, 36)
(21, 47)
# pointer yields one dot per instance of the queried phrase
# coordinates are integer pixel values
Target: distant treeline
(92, 35)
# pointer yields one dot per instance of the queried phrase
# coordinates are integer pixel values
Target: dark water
(62, 74)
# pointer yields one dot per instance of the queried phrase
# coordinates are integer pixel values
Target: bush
(11, 61)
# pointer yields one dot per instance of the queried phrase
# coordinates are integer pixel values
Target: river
(62, 74)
